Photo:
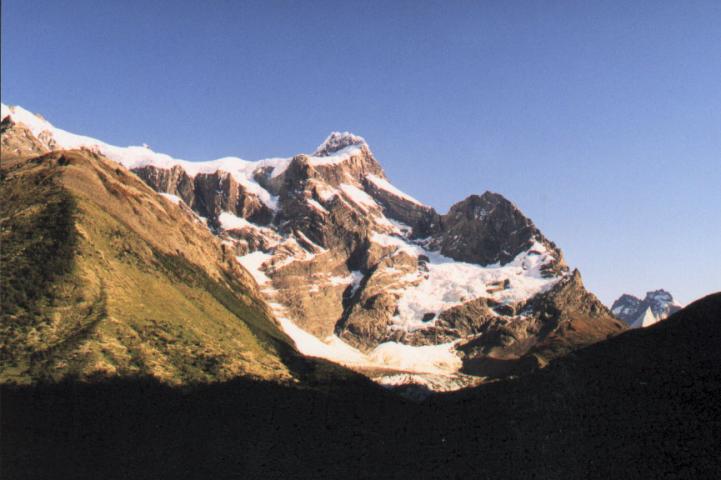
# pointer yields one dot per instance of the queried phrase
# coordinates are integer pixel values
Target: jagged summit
(337, 141)
(656, 306)
(660, 296)
(489, 229)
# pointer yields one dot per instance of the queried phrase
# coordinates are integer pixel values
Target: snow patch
(333, 348)
(353, 279)
(449, 283)
(131, 157)
(325, 192)
(356, 279)
(338, 280)
(401, 228)
(337, 158)
(425, 359)
(173, 198)
(434, 359)
(253, 262)
(400, 244)
(338, 141)
(228, 221)
(646, 319)
(316, 248)
(317, 206)
(384, 184)
(358, 196)
(433, 382)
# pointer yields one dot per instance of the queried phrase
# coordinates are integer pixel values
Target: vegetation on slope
(38, 240)
(37, 246)
(103, 277)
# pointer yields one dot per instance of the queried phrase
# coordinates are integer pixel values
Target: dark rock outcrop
(487, 229)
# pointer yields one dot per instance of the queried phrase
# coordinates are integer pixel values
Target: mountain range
(344, 267)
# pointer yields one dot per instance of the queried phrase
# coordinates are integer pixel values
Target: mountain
(103, 277)
(656, 306)
(353, 269)
(643, 404)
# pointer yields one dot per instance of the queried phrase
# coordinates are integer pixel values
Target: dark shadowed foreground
(646, 404)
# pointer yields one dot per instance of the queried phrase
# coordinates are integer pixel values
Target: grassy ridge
(38, 241)
(38, 238)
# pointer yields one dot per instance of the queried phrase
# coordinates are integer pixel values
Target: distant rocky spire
(632, 310)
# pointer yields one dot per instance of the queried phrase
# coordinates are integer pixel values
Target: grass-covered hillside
(102, 277)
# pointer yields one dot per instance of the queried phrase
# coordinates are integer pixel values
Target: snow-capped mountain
(361, 273)
(656, 306)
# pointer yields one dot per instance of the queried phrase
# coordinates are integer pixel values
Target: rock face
(656, 306)
(208, 194)
(489, 229)
(359, 272)
(547, 326)
(18, 140)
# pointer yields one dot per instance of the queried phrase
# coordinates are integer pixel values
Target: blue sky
(600, 120)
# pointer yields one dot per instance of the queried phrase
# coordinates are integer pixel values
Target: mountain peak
(489, 229)
(659, 296)
(337, 141)
(659, 303)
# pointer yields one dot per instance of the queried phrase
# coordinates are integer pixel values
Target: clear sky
(600, 120)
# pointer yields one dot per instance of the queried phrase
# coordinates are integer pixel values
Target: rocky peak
(659, 297)
(657, 303)
(627, 299)
(488, 229)
(337, 141)
(347, 165)
(661, 302)
(485, 207)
